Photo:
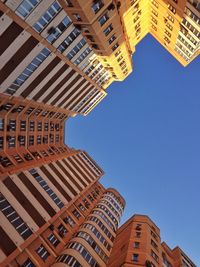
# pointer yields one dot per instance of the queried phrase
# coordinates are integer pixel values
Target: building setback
(138, 243)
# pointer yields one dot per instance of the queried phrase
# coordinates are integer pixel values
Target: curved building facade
(93, 242)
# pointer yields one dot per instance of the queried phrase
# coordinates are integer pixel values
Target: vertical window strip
(28, 71)
(26, 7)
(68, 40)
(14, 218)
(47, 17)
(76, 49)
(85, 53)
(62, 26)
(47, 189)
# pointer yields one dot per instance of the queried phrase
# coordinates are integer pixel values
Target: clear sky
(146, 136)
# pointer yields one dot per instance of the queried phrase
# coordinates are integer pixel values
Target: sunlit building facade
(66, 53)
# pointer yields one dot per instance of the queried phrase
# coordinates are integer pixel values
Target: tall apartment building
(138, 243)
(66, 53)
(43, 206)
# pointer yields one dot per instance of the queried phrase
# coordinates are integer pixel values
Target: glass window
(1, 142)
(108, 29)
(97, 5)
(14, 218)
(135, 257)
(56, 32)
(42, 252)
(28, 263)
(103, 19)
(26, 7)
(112, 38)
(136, 244)
(53, 240)
(47, 17)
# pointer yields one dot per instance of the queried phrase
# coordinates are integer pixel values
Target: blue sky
(145, 135)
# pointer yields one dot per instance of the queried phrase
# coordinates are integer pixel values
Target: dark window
(135, 257)
(103, 19)
(42, 252)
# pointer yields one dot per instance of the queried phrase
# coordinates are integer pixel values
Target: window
(31, 140)
(135, 257)
(12, 125)
(195, 4)
(85, 254)
(81, 207)
(11, 141)
(62, 231)
(112, 38)
(1, 142)
(69, 260)
(1, 124)
(77, 17)
(136, 244)
(153, 254)
(68, 220)
(103, 19)
(39, 126)
(69, 3)
(76, 49)
(56, 32)
(47, 17)
(31, 126)
(138, 234)
(28, 263)
(108, 29)
(14, 218)
(85, 53)
(93, 244)
(154, 12)
(167, 40)
(170, 18)
(18, 158)
(154, 20)
(69, 39)
(153, 27)
(169, 26)
(22, 140)
(22, 125)
(97, 5)
(115, 47)
(155, 3)
(194, 17)
(154, 244)
(154, 235)
(97, 234)
(42, 252)
(172, 9)
(26, 7)
(168, 33)
(76, 214)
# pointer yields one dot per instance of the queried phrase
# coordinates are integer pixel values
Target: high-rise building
(138, 243)
(41, 207)
(66, 53)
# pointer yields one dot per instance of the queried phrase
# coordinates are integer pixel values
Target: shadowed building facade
(43, 207)
(138, 243)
